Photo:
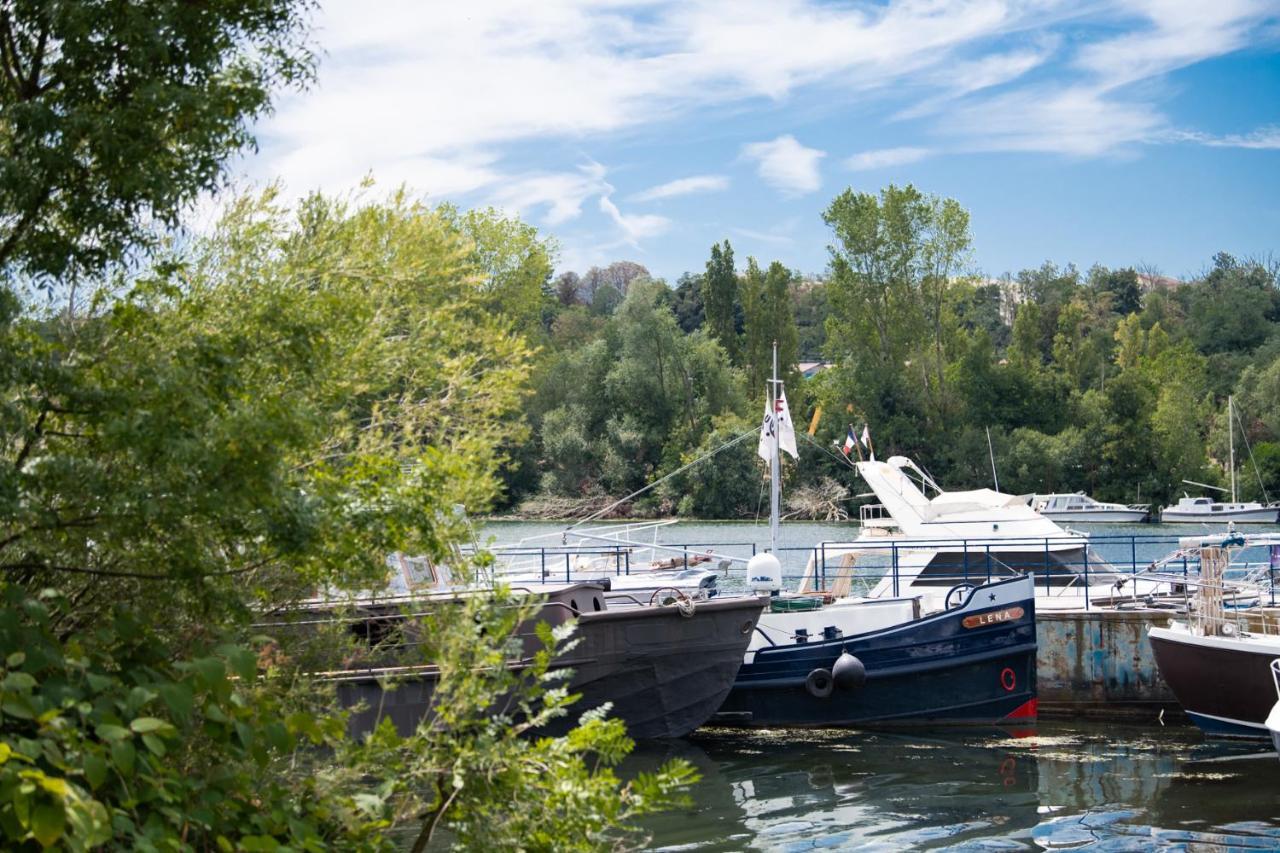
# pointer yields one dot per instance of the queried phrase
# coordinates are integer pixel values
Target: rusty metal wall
(1098, 664)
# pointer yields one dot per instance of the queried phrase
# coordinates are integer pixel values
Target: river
(1057, 787)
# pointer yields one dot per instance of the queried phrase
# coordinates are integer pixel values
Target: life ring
(1008, 680)
(819, 683)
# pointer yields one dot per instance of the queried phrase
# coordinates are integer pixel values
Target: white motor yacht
(1079, 507)
(912, 543)
(1202, 510)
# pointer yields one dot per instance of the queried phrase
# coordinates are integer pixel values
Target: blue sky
(1119, 133)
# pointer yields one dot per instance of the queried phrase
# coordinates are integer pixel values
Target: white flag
(779, 419)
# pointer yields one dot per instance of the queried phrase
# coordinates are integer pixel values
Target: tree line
(1108, 381)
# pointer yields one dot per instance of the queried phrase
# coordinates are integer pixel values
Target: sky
(1086, 132)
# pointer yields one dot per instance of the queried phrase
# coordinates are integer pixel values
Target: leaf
(18, 706)
(47, 822)
(154, 744)
(107, 731)
(179, 698)
(243, 662)
(19, 681)
(15, 660)
(143, 725)
(210, 671)
(123, 754)
(95, 769)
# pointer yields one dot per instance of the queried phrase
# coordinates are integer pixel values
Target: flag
(779, 419)
(849, 442)
(866, 441)
(813, 424)
(786, 429)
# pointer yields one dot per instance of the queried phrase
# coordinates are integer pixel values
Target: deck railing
(1062, 565)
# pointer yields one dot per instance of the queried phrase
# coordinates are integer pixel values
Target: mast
(774, 462)
(1231, 443)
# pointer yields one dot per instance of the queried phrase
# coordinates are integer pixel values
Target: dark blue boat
(972, 664)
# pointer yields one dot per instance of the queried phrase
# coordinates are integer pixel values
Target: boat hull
(1223, 683)
(1262, 515)
(1098, 516)
(975, 664)
(664, 673)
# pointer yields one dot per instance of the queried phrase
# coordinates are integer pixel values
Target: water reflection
(1110, 788)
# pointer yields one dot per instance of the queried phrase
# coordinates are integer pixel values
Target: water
(1057, 787)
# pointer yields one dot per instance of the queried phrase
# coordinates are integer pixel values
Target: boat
(921, 539)
(1079, 507)
(880, 663)
(1217, 662)
(1203, 510)
(663, 668)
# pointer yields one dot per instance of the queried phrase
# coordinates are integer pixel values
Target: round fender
(848, 673)
(819, 683)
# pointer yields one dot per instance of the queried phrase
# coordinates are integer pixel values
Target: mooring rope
(680, 470)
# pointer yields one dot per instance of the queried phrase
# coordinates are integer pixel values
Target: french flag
(849, 442)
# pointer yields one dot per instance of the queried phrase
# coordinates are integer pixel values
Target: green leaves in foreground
(103, 741)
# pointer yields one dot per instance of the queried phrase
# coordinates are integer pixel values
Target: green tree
(891, 267)
(719, 296)
(515, 262)
(118, 114)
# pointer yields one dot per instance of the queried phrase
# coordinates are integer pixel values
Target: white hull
(1261, 515)
(1098, 516)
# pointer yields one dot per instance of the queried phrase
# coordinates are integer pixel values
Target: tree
(118, 114)
(272, 410)
(1119, 286)
(891, 264)
(514, 261)
(687, 302)
(568, 287)
(719, 295)
(768, 318)
(618, 276)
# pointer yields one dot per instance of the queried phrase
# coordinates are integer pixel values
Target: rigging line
(839, 457)
(1249, 447)
(730, 443)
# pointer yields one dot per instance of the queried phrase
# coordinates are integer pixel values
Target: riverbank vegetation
(1111, 381)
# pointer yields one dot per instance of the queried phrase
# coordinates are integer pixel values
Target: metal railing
(1071, 565)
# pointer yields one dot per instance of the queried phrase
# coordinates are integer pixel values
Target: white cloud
(1179, 33)
(1264, 138)
(1081, 121)
(559, 194)
(409, 90)
(684, 186)
(886, 157)
(786, 165)
(635, 227)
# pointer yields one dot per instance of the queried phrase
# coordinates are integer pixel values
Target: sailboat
(1203, 510)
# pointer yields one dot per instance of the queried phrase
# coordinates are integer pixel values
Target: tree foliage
(120, 113)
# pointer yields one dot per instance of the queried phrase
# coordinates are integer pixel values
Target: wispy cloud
(885, 157)
(1264, 138)
(684, 186)
(764, 236)
(634, 227)
(786, 165)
